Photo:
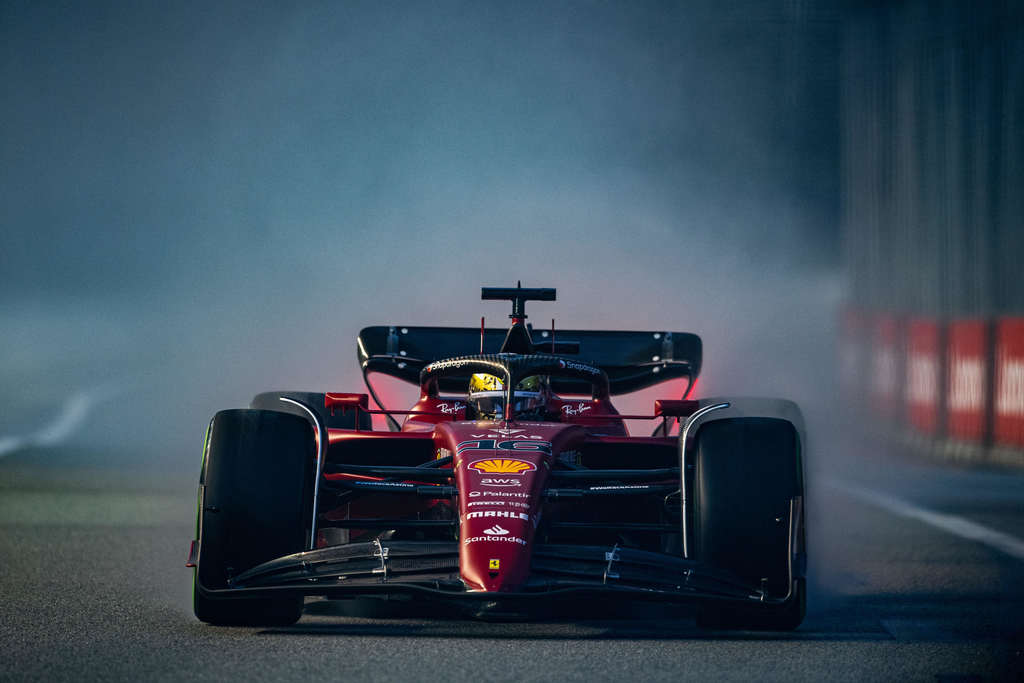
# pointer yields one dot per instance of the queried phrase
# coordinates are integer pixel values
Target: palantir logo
(496, 530)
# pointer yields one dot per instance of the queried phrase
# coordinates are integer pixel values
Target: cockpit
(487, 396)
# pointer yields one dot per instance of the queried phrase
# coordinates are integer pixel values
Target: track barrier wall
(923, 376)
(950, 389)
(968, 364)
(1008, 423)
(931, 171)
(887, 355)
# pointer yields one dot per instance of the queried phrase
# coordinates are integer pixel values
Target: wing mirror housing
(667, 408)
(346, 401)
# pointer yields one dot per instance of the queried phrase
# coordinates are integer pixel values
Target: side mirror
(345, 401)
(668, 408)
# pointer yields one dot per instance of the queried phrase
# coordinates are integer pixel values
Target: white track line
(71, 417)
(953, 524)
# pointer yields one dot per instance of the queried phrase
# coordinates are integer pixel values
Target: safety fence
(953, 388)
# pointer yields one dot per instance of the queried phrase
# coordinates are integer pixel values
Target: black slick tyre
(255, 498)
(747, 470)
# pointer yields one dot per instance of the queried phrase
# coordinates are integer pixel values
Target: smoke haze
(201, 203)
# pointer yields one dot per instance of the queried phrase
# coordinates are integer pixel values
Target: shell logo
(502, 466)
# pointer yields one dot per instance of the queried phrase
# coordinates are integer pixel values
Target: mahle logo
(498, 513)
(502, 466)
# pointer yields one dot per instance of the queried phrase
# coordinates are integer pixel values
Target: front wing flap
(385, 567)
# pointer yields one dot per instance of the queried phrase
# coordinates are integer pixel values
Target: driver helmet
(487, 396)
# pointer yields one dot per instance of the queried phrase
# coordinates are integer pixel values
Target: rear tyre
(747, 470)
(255, 504)
(338, 419)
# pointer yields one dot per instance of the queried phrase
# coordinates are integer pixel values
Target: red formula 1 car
(511, 484)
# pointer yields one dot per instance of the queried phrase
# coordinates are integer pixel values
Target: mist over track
(199, 203)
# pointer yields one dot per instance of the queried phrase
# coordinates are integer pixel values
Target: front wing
(431, 568)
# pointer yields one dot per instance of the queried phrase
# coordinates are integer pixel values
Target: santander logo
(496, 530)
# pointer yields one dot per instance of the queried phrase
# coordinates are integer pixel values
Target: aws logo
(502, 466)
(499, 481)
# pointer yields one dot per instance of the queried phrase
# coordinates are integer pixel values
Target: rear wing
(633, 360)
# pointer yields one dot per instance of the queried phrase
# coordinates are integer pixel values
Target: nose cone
(499, 500)
(501, 470)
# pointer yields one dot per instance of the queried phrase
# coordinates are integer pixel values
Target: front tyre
(747, 471)
(784, 617)
(255, 504)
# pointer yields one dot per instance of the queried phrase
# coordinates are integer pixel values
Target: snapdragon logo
(442, 364)
(573, 365)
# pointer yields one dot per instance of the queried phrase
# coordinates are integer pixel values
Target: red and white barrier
(958, 384)
(967, 398)
(923, 374)
(1008, 408)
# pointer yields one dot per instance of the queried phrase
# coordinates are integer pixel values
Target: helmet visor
(491, 404)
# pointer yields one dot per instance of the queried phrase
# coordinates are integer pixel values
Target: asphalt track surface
(94, 587)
